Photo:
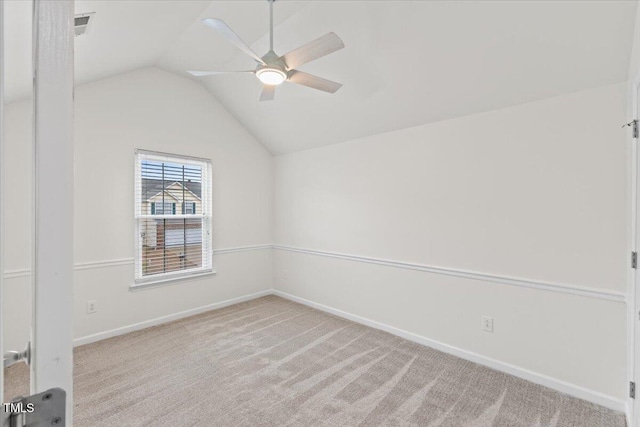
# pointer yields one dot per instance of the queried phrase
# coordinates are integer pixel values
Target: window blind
(172, 215)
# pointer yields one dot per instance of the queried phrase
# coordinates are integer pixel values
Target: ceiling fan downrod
(271, 24)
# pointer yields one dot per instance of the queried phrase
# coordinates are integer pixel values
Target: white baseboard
(544, 380)
(164, 319)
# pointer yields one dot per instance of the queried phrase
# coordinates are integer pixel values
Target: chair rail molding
(602, 294)
(584, 291)
(116, 262)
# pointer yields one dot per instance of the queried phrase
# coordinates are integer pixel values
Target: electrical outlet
(487, 324)
(92, 306)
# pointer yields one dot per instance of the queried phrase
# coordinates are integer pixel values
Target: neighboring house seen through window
(161, 208)
(189, 208)
(173, 216)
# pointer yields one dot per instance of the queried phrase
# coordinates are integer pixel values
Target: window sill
(169, 280)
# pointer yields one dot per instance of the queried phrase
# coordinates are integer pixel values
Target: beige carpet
(272, 362)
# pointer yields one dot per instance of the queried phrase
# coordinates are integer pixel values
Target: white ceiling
(130, 34)
(411, 63)
(124, 36)
(405, 63)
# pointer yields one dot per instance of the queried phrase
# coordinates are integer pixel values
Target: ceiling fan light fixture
(271, 76)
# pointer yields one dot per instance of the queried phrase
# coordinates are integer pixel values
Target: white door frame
(52, 261)
(633, 297)
(3, 415)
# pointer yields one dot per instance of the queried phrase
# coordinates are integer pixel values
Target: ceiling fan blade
(315, 82)
(318, 48)
(215, 73)
(221, 27)
(268, 93)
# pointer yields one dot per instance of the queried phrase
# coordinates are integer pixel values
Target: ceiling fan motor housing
(272, 60)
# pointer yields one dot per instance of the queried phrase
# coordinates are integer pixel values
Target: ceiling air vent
(81, 23)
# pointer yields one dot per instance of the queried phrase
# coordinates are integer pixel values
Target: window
(173, 216)
(161, 208)
(189, 208)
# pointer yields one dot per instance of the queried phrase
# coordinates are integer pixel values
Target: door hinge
(634, 127)
(634, 259)
(42, 409)
(632, 389)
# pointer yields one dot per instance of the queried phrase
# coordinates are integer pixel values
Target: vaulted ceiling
(405, 63)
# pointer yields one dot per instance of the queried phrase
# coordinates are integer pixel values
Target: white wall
(535, 192)
(17, 197)
(153, 110)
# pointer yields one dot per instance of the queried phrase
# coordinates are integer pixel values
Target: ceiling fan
(272, 69)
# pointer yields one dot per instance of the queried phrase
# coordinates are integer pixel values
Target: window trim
(170, 278)
(151, 281)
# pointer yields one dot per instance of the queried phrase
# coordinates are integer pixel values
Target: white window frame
(205, 214)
